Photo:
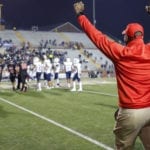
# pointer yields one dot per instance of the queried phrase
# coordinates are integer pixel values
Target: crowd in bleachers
(105, 69)
(6, 43)
(63, 44)
(26, 53)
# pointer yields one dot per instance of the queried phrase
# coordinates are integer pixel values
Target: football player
(68, 69)
(76, 69)
(56, 66)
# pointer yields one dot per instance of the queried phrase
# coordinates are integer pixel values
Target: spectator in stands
(132, 65)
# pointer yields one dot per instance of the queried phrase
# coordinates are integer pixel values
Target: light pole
(94, 18)
(1, 27)
(1, 5)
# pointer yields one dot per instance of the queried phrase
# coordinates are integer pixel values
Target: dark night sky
(111, 16)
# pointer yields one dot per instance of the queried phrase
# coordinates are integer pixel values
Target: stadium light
(1, 25)
(94, 18)
(147, 8)
(1, 5)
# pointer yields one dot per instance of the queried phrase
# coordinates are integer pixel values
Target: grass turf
(88, 113)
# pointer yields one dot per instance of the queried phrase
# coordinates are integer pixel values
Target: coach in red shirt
(132, 66)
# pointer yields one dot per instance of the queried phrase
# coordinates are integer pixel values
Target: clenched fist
(147, 8)
(78, 7)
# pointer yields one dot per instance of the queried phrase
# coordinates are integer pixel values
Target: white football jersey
(39, 67)
(56, 67)
(68, 66)
(77, 68)
(47, 66)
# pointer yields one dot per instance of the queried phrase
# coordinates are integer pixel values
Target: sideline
(59, 125)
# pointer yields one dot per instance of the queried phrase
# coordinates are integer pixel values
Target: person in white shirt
(68, 69)
(56, 66)
(47, 72)
(76, 74)
(38, 68)
(31, 72)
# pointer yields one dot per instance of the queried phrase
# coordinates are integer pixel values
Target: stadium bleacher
(94, 62)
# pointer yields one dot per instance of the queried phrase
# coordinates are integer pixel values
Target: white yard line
(58, 124)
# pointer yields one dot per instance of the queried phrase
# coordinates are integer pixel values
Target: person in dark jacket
(132, 66)
(23, 75)
(18, 75)
(12, 74)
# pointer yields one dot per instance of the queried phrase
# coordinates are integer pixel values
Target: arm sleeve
(109, 47)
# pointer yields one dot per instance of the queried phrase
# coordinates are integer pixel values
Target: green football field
(58, 119)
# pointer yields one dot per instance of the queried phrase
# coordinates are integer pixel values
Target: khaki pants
(131, 123)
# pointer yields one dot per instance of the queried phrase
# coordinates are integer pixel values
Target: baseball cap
(132, 28)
